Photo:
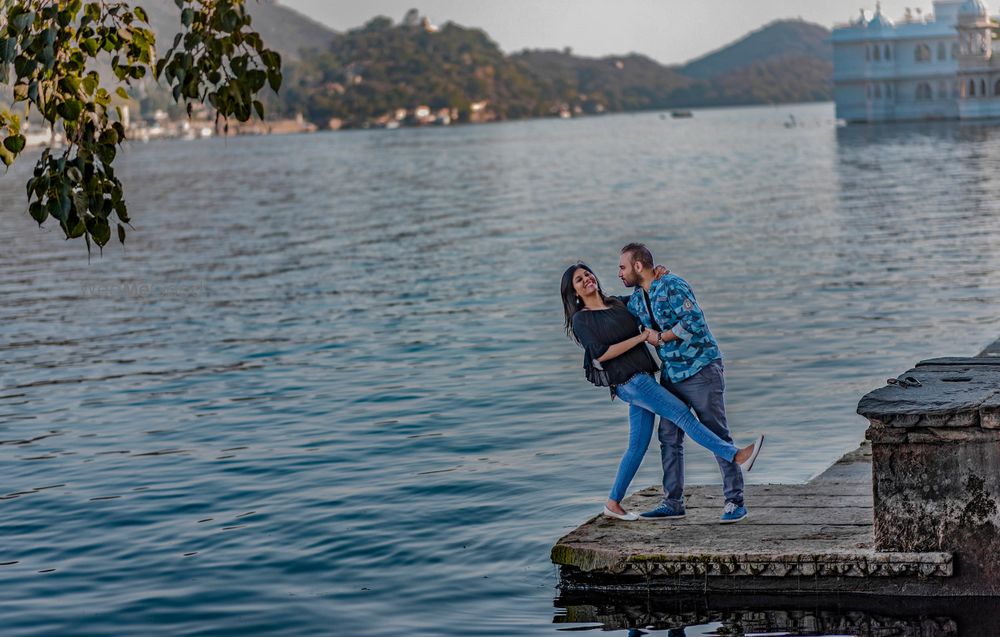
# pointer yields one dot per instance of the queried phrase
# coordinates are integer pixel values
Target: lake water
(325, 388)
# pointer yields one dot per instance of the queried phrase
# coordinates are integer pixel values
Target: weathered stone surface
(936, 454)
(961, 361)
(989, 412)
(954, 393)
(931, 435)
(942, 496)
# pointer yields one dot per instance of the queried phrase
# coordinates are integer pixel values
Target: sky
(669, 31)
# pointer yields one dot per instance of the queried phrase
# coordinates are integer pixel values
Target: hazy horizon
(669, 31)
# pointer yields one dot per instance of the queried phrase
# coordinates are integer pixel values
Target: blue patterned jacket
(676, 309)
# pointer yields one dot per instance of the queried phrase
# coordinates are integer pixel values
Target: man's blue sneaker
(663, 512)
(733, 513)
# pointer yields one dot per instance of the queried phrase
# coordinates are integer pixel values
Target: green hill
(776, 80)
(625, 83)
(782, 39)
(380, 67)
(285, 30)
(785, 61)
(365, 74)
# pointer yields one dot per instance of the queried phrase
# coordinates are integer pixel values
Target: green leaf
(70, 110)
(56, 210)
(91, 46)
(14, 143)
(121, 234)
(230, 20)
(109, 137)
(259, 107)
(70, 84)
(90, 83)
(74, 227)
(187, 16)
(274, 79)
(37, 212)
(141, 14)
(8, 50)
(122, 93)
(48, 56)
(25, 65)
(21, 22)
(92, 11)
(106, 153)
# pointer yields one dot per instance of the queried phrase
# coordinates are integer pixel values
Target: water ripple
(327, 384)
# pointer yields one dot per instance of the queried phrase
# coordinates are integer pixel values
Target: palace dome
(975, 8)
(879, 21)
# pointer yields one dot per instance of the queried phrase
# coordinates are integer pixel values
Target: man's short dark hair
(639, 253)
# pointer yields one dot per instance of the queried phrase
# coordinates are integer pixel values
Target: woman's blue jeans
(646, 398)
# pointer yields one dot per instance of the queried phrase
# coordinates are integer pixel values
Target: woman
(615, 356)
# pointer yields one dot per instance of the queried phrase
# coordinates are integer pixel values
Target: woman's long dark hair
(572, 304)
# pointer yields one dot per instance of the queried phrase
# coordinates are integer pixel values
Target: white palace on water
(940, 66)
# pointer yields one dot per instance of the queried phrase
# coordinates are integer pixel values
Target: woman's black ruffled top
(597, 330)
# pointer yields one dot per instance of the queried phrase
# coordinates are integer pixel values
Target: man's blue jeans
(703, 393)
(646, 398)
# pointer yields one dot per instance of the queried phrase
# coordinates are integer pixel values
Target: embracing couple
(614, 332)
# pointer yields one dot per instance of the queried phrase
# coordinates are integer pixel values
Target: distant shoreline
(664, 111)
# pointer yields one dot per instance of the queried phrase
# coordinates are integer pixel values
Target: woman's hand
(652, 337)
(618, 349)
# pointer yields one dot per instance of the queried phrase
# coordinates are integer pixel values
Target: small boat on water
(681, 114)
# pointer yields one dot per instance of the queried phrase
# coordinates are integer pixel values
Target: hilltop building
(940, 66)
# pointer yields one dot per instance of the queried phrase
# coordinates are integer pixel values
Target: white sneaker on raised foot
(627, 517)
(748, 464)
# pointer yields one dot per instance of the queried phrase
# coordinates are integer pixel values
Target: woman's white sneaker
(627, 517)
(747, 465)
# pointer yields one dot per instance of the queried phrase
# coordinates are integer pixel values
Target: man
(691, 370)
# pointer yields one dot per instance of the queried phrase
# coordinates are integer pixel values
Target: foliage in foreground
(49, 53)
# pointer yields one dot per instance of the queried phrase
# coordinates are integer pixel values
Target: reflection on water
(327, 383)
(763, 614)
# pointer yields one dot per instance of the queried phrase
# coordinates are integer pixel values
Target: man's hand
(659, 271)
(652, 337)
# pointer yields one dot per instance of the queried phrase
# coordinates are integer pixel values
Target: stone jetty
(914, 511)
